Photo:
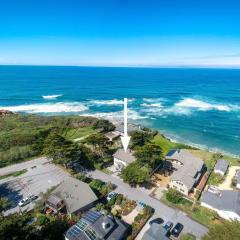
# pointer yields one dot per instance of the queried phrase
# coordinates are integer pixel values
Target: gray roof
(221, 165)
(155, 232)
(237, 176)
(187, 173)
(127, 157)
(94, 221)
(226, 200)
(75, 194)
(131, 128)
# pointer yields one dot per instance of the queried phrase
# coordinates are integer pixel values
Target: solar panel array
(91, 216)
(83, 226)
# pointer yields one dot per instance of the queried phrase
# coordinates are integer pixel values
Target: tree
(4, 203)
(15, 227)
(149, 155)
(134, 174)
(227, 230)
(99, 142)
(104, 125)
(174, 196)
(139, 138)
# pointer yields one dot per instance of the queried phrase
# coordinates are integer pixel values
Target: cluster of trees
(24, 136)
(148, 156)
(21, 227)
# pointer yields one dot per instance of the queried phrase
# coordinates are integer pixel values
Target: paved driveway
(161, 210)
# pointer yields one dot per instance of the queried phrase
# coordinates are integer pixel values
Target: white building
(221, 167)
(122, 159)
(226, 203)
(187, 170)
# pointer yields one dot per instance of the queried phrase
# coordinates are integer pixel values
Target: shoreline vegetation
(20, 135)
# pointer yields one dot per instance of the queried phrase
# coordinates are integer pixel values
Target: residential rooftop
(190, 166)
(225, 200)
(155, 232)
(95, 226)
(127, 156)
(75, 194)
(221, 165)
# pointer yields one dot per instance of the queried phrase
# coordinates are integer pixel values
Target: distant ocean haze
(196, 106)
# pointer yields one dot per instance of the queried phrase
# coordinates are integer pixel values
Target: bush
(174, 196)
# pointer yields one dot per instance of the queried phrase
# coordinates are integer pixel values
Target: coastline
(175, 139)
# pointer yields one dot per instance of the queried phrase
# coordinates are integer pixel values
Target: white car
(24, 202)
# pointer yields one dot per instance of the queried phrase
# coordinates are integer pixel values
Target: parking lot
(41, 176)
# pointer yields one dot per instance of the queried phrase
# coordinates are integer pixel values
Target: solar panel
(91, 216)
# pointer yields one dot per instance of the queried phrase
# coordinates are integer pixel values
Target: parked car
(33, 197)
(24, 202)
(111, 195)
(168, 225)
(177, 230)
(156, 220)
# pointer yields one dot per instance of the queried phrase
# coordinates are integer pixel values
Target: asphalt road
(161, 210)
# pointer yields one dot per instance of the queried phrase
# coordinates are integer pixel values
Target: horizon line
(130, 66)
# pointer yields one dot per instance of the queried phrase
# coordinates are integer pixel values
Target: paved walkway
(161, 210)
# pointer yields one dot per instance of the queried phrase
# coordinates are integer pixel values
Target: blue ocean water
(197, 106)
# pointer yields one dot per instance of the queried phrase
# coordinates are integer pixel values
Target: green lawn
(166, 144)
(215, 179)
(187, 236)
(14, 174)
(78, 133)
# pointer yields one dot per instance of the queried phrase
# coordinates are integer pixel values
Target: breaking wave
(52, 97)
(59, 107)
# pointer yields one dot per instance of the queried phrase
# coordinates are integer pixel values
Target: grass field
(78, 133)
(166, 144)
(13, 174)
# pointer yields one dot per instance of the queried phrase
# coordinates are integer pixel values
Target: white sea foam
(59, 107)
(202, 105)
(155, 105)
(52, 97)
(109, 102)
(116, 116)
(153, 100)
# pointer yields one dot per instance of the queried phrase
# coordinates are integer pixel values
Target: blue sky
(120, 32)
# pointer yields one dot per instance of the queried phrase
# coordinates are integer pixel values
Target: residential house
(71, 195)
(237, 179)
(95, 226)
(187, 170)
(226, 203)
(221, 167)
(122, 159)
(155, 232)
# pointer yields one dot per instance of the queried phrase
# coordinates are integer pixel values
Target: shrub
(174, 196)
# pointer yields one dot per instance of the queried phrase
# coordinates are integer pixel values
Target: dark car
(177, 230)
(157, 220)
(168, 225)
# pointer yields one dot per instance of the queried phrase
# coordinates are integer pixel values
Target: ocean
(200, 107)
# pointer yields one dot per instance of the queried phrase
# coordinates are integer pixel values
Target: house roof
(127, 157)
(155, 232)
(221, 165)
(98, 226)
(191, 165)
(76, 194)
(54, 199)
(237, 176)
(225, 200)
